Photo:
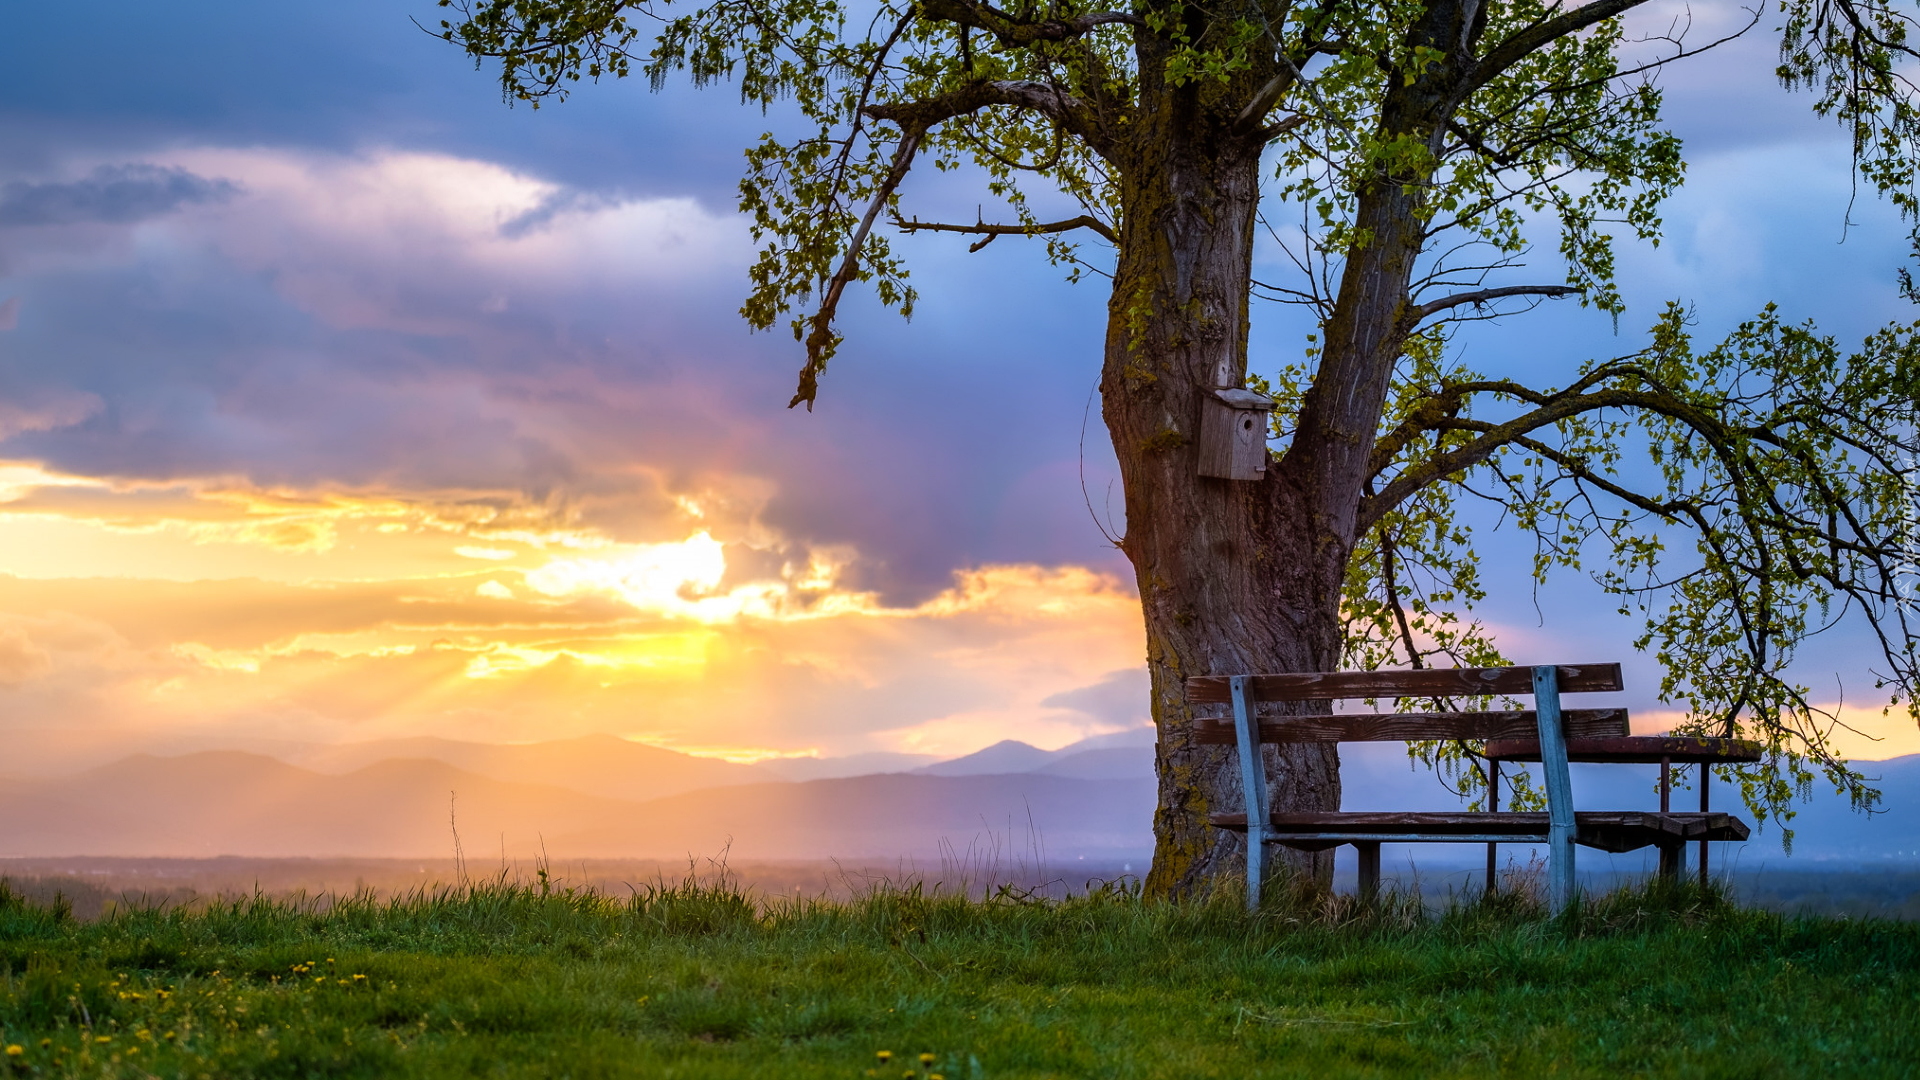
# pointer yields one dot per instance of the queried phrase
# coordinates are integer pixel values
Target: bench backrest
(1408, 726)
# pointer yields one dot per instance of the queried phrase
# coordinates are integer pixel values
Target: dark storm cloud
(111, 195)
(123, 78)
(252, 342)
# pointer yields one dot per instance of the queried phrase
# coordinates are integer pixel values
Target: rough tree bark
(1224, 585)
(1243, 576)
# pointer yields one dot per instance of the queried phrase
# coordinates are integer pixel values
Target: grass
(697, 980)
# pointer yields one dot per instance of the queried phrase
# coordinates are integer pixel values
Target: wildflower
(926, 1060)
(884, 1056)
(15, 1049)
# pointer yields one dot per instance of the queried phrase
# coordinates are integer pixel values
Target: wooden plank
(1427, 682)
(1233, 435)
(1608, 830)
(1646, 829)
(1362, 821)
(1559, 784)
(1253, 788)
(1408, 727)
(1633, 749)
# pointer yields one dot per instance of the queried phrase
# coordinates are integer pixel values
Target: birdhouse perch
(1233, 434)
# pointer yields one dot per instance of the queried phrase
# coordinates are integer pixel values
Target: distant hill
(230, 803)
(1094, 801)
(1111, 763)
(893, 815)
(1005, 756)
(602, 765)
(831, 768)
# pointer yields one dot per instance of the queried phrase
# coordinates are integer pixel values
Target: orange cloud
(381, 615)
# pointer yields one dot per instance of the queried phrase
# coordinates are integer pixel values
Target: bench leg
(1559, 785)
(1253, 785)
(1369, 853)
(1493, 850)
(1671, 856)
(1706, 777)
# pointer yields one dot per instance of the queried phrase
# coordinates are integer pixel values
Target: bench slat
(1427, 682)
(1408, 727)
(1608, 830)
(1635, 749)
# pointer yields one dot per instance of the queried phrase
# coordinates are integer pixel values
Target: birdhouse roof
(1244, 399)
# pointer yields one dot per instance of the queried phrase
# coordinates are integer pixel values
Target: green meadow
(700, 980)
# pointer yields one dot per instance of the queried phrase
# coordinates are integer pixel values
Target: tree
(1742, 496)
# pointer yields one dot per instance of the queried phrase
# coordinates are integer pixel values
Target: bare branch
(1084, 221)
(1481, 296)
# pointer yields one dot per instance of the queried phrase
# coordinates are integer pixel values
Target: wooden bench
(1546, 733)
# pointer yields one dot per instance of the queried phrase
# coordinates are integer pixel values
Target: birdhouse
(1233, 434)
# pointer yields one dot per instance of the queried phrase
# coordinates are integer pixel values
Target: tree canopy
(1740, 496)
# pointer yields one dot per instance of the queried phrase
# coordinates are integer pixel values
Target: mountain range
(606, 797)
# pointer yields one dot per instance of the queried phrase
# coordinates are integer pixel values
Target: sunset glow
(388, 411)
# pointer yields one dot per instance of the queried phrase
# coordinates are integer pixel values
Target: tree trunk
(1239, 576)
(1234, 576)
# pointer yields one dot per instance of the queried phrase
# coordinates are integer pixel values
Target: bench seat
(1282, 709)
(1607, 830)
(1635, 749)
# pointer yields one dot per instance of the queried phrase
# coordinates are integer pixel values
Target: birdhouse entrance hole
(1233, 434)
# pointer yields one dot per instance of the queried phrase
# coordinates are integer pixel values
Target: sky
(340, 401)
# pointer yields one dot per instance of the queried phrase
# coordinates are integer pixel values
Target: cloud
(1119, 698)
(427, 243)
(111, 195)
(454, 657)
(450, 327)
(20, 658)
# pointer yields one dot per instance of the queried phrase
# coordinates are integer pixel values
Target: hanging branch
(822, 340)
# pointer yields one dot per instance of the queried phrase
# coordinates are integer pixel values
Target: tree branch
(821, 340)
(1014, 31)
(1556, 407)
(1538, 36)
(1481, 296)
(1063, 108)
(1084, 221)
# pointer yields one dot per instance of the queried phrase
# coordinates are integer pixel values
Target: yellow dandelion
(926, 1059)
(885, 1055)
(15, 1049)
